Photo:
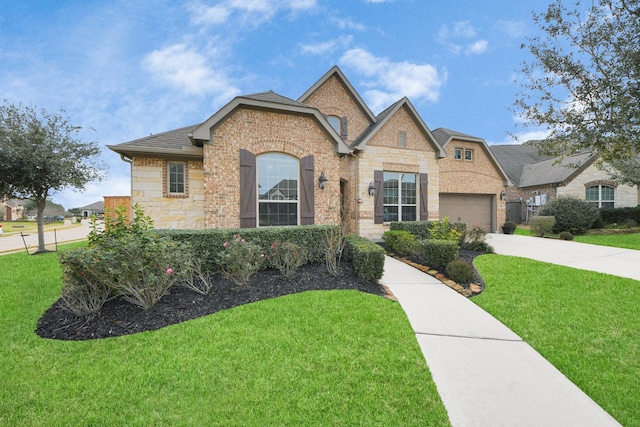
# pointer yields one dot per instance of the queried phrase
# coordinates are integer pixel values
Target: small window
(402, 139)
(457, 154)
(601, 196)
(176, 178)
(334, 122)
(468, 155)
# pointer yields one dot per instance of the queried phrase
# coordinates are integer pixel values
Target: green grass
(584, 323)
(627, 240)
(316, 358)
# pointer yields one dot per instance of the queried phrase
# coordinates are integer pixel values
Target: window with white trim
(176, 178)
(399, 196)
(277, 189)
(457, 154)
(601, 196)
(468, 154)
(335, 123)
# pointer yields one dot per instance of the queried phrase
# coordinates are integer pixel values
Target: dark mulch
(465, 255)
(119, 317)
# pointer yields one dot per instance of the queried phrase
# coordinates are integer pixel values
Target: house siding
(625, 196)
(260, 132)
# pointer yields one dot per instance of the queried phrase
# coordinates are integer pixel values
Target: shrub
(541, 225)
(444, 230)
(367, 257)
(400, 242)
(286, 257)
(83, 292)
(441, 229)
(437, 253)
(334, 246)
(420, 229)
(565, 235)
(619, 215)
(474, 239)
(460, 271)
(572, 214)
(240, 260)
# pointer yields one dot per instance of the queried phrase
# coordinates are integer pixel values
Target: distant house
(538, 178)
(265, 159)
(13, 209)
(96, 208)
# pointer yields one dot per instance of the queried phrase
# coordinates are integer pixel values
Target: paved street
(10, 243)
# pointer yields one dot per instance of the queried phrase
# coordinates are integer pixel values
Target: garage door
(472, 209)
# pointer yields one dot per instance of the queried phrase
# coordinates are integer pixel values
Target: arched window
(601, 196)
(334, 122)
(277, 189)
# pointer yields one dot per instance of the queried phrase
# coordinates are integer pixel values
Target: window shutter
(307, 181)
(378, 212)
(343, 127)
(424, 197)
(248, 200)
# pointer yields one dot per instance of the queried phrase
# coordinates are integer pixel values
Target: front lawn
(584, 323)
(316, 358)
(622, 240)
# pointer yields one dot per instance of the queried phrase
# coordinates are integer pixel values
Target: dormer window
(335, 123)
(339, 124)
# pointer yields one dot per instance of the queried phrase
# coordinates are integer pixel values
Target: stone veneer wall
(259, 132)
(148, 189)
(625, 196)
(478, 176)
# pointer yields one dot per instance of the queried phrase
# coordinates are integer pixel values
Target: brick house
(325, 158)
(539, 178)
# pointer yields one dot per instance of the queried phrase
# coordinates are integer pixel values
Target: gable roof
(95, 206)
(445, 136)
(528, 168)
(269, 101)
(172, 143)
(335, 70)
(361, 143)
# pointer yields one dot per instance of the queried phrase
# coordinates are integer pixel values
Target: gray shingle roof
(512, 158)
(443, 135)
(273, 97)
(171, 142)
(550, 171)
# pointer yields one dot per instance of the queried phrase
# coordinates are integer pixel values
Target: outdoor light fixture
(503, 195)
(322, 180)
(372, 188)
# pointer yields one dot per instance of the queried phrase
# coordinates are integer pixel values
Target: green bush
(420, 229)
(541, 225)
(474, 239)
(367, 257)
(441, 230)
(437, 253)
(241, 259)
(460, 271)
(565, 235)
(572, 214)
(83, 290)
(286, 257)
(620, 215)
(400, 242)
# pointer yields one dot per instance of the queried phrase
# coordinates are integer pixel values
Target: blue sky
(126, 68)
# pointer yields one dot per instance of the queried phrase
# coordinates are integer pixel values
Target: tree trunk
(40, 204)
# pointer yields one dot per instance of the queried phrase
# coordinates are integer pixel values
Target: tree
(584, 81)
(41, 153)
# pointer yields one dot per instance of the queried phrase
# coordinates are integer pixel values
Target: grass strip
(584, 323)
(316, 358)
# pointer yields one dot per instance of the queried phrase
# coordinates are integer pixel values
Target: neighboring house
(96, 208)
(13, 209)
(539, 178)
(325, 158)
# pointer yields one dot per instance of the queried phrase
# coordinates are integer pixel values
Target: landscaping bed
(119, 317)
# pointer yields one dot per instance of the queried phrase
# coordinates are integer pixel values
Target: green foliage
(620, 215)
(367, 257)
(126, 259)
(572, 214)
(474, 239)
(541, 225)
(286, 257)
(437, 253)
(460, 271)
(400, 242)
(241, 259)
(439, 230)
(588, 54)
(420, 229)
(565, 235)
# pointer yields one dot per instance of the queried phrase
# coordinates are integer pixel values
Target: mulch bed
(119, 317)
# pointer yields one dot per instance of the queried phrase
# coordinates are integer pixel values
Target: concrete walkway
(486, 374)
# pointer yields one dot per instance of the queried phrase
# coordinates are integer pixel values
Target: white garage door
(472, 209)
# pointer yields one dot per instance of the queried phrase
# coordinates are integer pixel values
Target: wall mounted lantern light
(322, 180)
(503, 195)
(372, 188)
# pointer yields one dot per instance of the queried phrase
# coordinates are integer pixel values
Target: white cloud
(390, 81)
(348, 24)
(326, 47)
(187, 70)
(514, 29)
(455, 37)
(252, 12)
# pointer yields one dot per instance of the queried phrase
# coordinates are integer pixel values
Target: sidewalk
(486, 374)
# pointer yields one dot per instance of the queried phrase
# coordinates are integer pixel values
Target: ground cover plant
(314, 358)
(584, 323)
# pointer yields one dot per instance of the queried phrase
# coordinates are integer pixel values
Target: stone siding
(625, 196)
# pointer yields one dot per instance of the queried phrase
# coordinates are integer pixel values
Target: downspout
(356, 198)
(130, 161)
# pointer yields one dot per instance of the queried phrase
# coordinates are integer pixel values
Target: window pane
(408, 189)
(457, 154)
(592, 193)
(607, 193)
(334, 122)
(390, 188)
(390, 213)
(468, 154)
(277, 189)
(176, 177)
(408, 213)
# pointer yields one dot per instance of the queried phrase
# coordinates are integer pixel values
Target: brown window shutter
(248, 199)
(343, 127)
(307, 181)
(378, 213)
(424, 197)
